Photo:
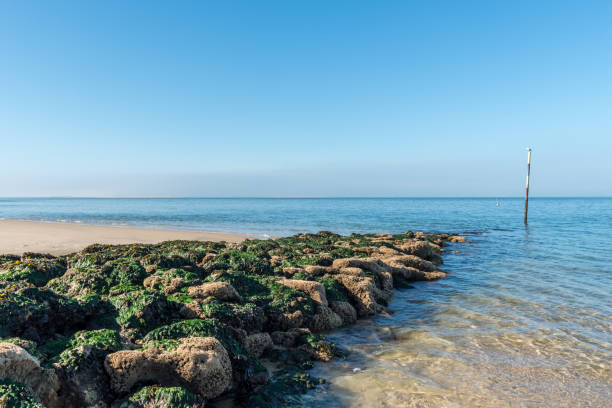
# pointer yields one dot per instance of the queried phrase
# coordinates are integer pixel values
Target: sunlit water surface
(524, 318)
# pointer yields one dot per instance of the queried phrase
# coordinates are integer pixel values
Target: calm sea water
(524, 318)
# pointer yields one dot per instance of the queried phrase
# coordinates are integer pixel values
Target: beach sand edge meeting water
(19, 236)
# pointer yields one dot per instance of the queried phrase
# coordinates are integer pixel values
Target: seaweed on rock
(162, 303)
(17, 395)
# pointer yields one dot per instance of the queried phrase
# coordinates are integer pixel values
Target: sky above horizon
(298, 99)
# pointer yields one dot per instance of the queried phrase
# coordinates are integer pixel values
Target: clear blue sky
(288, 98)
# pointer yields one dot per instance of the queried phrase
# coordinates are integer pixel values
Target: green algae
(288, 300)
(70, 351)
(248, 286)
(246, 316)
(180, 297)
(166, 344)
(176, 397)
(196, 328)
(240, 261)
(42, 309)
(53, 348)
(141, 310)
(35, 271)
(334, 291)
(17, 395)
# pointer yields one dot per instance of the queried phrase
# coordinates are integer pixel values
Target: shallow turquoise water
(524, 318)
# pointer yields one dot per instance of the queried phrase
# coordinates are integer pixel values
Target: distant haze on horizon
(305, 99)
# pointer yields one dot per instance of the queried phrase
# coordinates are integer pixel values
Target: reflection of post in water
(527, 186)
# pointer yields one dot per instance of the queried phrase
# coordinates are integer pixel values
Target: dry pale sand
(18, 236)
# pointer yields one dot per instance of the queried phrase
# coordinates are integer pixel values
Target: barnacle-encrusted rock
(362, 292)
(413, 268)
(325, 319)
(290, 271)
(316, 270)
(257, 343)
(220, 290)
(200, 364)
(314, 289)
(174, 285)
(152, 282)
(286, 321)
(19, 366)
(413, 262)
(376, 267)
(351, 270)
(345, 310)
(458, 239)
(369, 264)
(422, 249)
(284, 338)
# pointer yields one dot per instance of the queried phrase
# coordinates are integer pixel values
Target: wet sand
(18, 236)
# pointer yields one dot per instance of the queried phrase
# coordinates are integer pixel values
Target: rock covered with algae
(179, 323)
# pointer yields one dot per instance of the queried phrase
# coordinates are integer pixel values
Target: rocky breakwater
(181, 323)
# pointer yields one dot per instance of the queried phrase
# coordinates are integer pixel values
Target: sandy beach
(17, 236)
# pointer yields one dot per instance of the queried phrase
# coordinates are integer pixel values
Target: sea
(524, 318)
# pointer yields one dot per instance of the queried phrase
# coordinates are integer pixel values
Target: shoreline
(57, 238)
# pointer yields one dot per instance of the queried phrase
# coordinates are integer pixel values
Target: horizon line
(282, 197)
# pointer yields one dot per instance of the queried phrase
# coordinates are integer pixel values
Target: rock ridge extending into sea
(181, 323)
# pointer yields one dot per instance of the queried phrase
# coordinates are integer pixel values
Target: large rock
(422, 249)
(345, 310)
(351, 270)
(18, 365)
(325, 319)
(220, 290)
(362, 292)
(286, 321)
(410, 273)
(385, 251)
(316, 270)
(257, 343)
(152, 282)
(369, 264)
(200, 364)
(406, 272)
(375, 266)
(458, 239)
(314, 289)
(284, 338)
(413, 262)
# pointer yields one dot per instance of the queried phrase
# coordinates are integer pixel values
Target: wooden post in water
(527, 186)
